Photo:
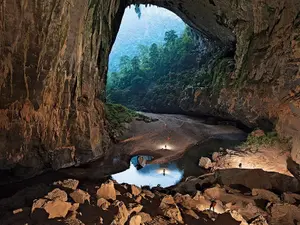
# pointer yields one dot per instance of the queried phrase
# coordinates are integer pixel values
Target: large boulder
(248, 178)
(290, 198)
(284, 214)
(248, 211)
(107, 191)
(265, 194)
(218, 193)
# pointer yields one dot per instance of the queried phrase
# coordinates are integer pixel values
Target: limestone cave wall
(264, 89)
(53, 61)
(53, 64)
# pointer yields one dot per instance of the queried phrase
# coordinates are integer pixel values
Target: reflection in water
(152, 174)
(170, 174)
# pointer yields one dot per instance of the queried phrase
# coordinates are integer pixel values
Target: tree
(170, 37)
(135, 64)
(156, 77)
(124, 64)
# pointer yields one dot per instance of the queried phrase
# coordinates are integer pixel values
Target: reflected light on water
(152, 175)
(163, 171)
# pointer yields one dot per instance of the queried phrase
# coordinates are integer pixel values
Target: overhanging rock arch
(53, 66)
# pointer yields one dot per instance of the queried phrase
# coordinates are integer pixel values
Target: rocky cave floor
(242, 196)
(248, 185)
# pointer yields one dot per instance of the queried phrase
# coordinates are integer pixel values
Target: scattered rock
(135, 190)
(291, 198)
(231, 190)
(265, 194)
(73, 221)
(168, 199)
(250, 211)
(284, 214)
(69, 184)
(103, 203)
(191, 213)
(220, 194)
(170, 209)
(128, 195)
(135, 220)
(57, 194)
(107, 191)
(134, 207)
(145, 217)
(260, 220)
(122, 213)
(55, 209)
(205, 162)
(74, 207)
(211, 214)
(215, 156)
(80, 196)
(186, 201)
(148, 193)
(138, 199)
(238, 217)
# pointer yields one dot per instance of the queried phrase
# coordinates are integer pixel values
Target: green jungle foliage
(155, 79)
(117, 116)
(150, 28)
(155, 71)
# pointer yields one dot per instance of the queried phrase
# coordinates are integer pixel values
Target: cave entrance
(153, 60)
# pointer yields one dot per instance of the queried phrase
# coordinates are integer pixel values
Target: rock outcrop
(54, 61)
(52, 77)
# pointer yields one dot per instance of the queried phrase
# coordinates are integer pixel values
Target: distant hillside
(150, 28)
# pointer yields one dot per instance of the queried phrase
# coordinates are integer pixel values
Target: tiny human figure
(240, 165)
(164, 172)
(212, 205)
(165, 146)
